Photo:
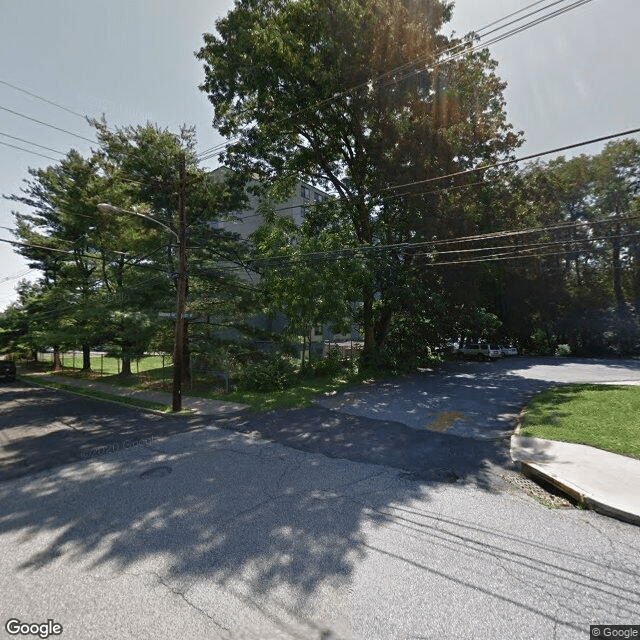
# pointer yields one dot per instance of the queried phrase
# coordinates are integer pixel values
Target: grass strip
(299, 396)
(100, 395)
(602, 416)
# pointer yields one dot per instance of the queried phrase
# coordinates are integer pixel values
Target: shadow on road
(234, 522)
(230, 522)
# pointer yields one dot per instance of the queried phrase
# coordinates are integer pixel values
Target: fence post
(102, 364)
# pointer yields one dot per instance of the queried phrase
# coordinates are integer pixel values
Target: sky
(570, 79)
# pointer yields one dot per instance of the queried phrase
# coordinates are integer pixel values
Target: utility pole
(181, 286)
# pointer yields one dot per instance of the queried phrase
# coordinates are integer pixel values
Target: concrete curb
(115, 399)
(191, 404)
(599, 480)
(582, 497)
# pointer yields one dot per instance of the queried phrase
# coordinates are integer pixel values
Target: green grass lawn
(114, 365)
(106, 365)
(159, 379)
(607, 417)
(299, 395)
(92, 393)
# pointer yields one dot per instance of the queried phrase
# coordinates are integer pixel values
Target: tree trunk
(382, 326)
(636, 277)
(86, 357)
(57, 361)
(126, 366)
(368, 324)
(186, 353)
(304, 344)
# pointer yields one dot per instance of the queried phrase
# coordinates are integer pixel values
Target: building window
(305, 192)
(318, 197)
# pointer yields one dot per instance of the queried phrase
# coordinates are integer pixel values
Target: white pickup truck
(479, 351)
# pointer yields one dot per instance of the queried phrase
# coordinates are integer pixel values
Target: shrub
(274, 373)
(541, 342)
(382, 361)
(563, 350)
(329, 366)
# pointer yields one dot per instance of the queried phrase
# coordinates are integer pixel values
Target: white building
(295, 206)
(248, 220)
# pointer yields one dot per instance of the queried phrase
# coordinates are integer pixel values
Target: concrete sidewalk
(200, 406)
(603, 481)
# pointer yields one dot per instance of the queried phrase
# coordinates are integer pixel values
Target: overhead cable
(51, 102)
(46, 124)
(455, 52)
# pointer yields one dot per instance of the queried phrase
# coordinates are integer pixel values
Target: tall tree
(157, 174)
(58, 238)
(360, 96)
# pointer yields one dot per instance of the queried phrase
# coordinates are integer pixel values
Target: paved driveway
(472, 399)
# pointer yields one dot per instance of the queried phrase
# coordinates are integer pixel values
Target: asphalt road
(42, 429)
(207, 532)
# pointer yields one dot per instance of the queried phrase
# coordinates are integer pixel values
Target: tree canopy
(364, 98)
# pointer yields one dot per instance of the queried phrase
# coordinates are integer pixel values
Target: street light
(181, 237)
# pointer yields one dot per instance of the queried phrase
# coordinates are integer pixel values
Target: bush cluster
(274, 373)
(328, 366)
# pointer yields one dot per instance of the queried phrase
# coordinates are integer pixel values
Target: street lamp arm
(105, 207)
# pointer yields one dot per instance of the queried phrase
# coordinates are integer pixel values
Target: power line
(458, 50)
(530, 247)
(35, 144)
(499, 38)
(274, 261)
(459, 173)
(15, 277)
(35, 95)
(35, 153)
(46, 124)
(503, 163)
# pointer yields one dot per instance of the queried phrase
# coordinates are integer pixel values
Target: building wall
(249, 220)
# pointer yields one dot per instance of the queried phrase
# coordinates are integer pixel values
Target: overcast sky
(570, 79)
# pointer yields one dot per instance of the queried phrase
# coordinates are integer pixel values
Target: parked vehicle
(508, 351)
(479, 351)
(8, 370)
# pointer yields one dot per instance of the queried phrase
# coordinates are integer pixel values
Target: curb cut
(534, 472)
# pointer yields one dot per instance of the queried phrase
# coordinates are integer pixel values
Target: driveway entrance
(479, 400)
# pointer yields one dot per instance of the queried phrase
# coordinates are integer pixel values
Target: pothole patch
(443, 421)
